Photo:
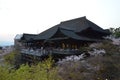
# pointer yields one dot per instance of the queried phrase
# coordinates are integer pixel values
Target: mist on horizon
(6, 43)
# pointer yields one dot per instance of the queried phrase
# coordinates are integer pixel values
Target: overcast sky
(35, 16)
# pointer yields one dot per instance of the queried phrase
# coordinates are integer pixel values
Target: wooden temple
(63, 39)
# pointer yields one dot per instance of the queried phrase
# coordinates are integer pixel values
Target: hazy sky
(35, 16)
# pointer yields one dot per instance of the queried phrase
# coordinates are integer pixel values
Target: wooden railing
(40, 52)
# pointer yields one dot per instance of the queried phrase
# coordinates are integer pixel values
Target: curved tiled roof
(68, 28)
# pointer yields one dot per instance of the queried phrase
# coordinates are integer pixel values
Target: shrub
(13, 58)
(93, 68)
(110, 48)
(4, 73)
(40, 71)
(71, 70)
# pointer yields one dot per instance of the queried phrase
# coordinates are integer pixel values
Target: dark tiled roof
(73, 35)
(76, 25)
(68, 28)
(81, 24)
(48, 33)
(96, 27)
(29, 37)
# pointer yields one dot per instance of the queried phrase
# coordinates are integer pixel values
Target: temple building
(64, 38)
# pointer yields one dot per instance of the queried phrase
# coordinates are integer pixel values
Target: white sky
(35, 16)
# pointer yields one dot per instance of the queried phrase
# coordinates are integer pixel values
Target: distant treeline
(115, 32)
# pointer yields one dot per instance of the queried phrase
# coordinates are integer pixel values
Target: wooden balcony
(41, 52)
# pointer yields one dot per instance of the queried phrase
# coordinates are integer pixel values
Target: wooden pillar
(63, 45)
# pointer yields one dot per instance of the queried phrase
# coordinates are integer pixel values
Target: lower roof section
(48, 36)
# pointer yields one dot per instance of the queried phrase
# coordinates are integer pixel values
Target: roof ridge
(29, 34)
(70, 20)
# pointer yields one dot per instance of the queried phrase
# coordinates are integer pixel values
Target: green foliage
(3, 73)
(115, 32)
(94, 68)
(13, 58)
(40, 71)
